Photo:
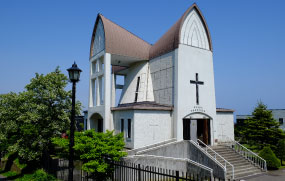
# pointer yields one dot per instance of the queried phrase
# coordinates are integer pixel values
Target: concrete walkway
(2, 178)
(278, 175)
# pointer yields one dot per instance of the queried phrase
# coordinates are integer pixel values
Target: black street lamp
(74, 75)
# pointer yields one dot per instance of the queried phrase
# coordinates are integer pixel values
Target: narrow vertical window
(281, 120)
(129, 128)
(137, 89)
(93, 70)
(94, 92)
(102, 89)
(122, 125)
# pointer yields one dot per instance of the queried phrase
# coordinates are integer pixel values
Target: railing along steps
(242, 167)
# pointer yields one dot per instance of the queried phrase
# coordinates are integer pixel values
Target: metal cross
(197, 82)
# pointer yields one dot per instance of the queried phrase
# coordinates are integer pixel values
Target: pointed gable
(191, 29)
(194, 32)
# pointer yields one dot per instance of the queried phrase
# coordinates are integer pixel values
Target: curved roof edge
(170, 40)
(119, 41)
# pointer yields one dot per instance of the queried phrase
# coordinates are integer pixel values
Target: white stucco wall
(192, 60)
(161, 70)
(148, 126)
(127, 114)
(145, 87)
(151, 127)
(101, 108)
(225, 121)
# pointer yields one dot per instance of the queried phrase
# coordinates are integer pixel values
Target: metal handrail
(215, 157)
(249, 155)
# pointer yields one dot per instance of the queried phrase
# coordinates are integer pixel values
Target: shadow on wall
(96, 122)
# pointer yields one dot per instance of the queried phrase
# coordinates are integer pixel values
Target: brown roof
(146, 105)
(119, 41)
(224, 110)
(116, 68)
(170, 40)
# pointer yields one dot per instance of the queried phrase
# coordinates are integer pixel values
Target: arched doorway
(197, 126)
(96, 122)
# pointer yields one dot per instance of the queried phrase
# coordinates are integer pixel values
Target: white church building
(167, 89)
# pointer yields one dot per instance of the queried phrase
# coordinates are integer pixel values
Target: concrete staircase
(242, 167)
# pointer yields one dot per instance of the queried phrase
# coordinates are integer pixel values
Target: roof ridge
(124, 29)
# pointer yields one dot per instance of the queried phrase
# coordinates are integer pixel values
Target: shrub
(272, 161)
(280, 152)
(39, 175)
(92, 148)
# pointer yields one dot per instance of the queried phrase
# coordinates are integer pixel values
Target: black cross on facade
(197, 82)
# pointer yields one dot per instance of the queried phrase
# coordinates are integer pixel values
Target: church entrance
(197, 129)
(203, 130)
(96, 122)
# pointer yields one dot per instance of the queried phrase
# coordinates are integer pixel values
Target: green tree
(280, 152)
(91, 147)
(262, 129)
(271, 160)
(30, 119)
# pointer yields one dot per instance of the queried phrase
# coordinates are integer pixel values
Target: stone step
(233, 159)
(237, 171)
(238, 167)
(242, 167)
(241, 162)
(221, 148)
(228, 155)
(232, 156)
(224, 152)
(246, 174)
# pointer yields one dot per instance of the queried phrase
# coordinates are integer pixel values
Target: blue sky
(248, 42)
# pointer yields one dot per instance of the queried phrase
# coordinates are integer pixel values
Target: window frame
(129, 132)
(137, 88)
(122, 124)
(281, 121)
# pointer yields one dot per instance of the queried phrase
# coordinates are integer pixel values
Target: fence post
(177, 175)
(114, 169)
(139, 170)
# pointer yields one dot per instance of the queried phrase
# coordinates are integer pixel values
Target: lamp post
(74, 75)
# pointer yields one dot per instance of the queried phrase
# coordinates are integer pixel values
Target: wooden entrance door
(206, 131)
(203, 130)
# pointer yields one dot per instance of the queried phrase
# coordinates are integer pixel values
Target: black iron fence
(136, 172)
(123, 171)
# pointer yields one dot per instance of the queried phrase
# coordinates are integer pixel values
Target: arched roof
(170, 40)
(119, 41)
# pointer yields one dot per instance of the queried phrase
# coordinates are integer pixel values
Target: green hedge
(272, 161)
(39, 175)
